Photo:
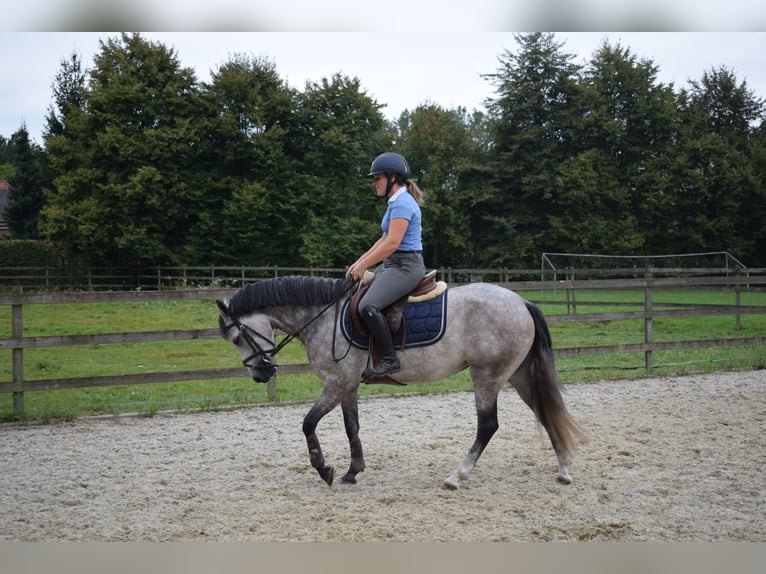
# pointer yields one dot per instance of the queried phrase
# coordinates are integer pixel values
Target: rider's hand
(356, 272)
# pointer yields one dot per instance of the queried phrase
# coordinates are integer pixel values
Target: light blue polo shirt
(403, 205)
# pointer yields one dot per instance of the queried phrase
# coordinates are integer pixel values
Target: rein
(267, 355)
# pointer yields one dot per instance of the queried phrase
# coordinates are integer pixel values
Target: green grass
(148, 399)
(679, 361)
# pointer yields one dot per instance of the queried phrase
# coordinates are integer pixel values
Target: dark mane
(297, 290)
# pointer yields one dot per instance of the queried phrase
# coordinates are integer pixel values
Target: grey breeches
(394, 278)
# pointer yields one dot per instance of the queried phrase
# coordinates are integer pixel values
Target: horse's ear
(222, 307)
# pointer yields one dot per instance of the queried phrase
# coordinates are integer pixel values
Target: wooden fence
(47, 279)
(755, 279)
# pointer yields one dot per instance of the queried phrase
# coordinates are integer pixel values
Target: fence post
(574, 298)
(571, 297)
(17, 333)
(271, 389)
(571, 279)
(648, 321)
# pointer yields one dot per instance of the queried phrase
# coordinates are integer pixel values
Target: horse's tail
(544, 388)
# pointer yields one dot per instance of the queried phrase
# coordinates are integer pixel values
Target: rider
(399, 249)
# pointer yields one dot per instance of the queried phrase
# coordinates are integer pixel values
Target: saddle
(394, 313)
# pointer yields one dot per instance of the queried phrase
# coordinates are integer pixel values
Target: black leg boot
(381, 335)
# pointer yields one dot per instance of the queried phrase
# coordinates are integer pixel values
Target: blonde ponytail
(415, 191)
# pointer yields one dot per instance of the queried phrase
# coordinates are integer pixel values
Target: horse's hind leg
(487, 427)
(538, 384)
(351, 422)
(522, 383)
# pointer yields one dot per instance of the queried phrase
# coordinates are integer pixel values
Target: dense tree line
(145, 164)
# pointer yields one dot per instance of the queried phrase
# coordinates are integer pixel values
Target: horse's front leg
(351, 421)
(310, 422)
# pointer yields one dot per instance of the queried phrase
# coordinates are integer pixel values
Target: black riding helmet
(391, 163)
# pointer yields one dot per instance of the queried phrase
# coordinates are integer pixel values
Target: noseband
(250, 336)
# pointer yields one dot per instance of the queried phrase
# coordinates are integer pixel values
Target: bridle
(250, 336)
(267, 355)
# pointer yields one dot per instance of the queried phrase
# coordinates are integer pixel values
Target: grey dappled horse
(491, 330)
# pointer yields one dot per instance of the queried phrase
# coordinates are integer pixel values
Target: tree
(722, 204)
(614, 193)
(339, 130)
(532, 120)
(443, 151)
(69, 94)
(126, 180)
(594, 208)
(756, 256)
(6, 168)
(27, 181)
(246, 117)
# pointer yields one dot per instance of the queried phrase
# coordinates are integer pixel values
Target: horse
(493, 331)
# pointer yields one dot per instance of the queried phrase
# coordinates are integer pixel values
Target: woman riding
(399, 249)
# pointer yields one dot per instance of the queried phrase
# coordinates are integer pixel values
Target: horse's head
(250, 335)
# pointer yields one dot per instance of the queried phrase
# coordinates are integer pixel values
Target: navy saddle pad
(425, 322)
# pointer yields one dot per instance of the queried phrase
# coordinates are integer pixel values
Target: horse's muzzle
(263, 374)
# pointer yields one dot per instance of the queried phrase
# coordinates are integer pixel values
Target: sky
(405, 15)
(399, 69)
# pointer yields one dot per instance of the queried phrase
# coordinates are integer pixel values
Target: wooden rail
(17, 343)
(185, 277)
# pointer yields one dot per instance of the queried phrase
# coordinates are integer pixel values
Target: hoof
(328, 474)
(451, 484)
(564, 479)
(348, 478)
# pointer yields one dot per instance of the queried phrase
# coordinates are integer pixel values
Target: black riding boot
(381, 335)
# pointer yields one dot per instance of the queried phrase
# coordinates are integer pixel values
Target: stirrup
(386, 366)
